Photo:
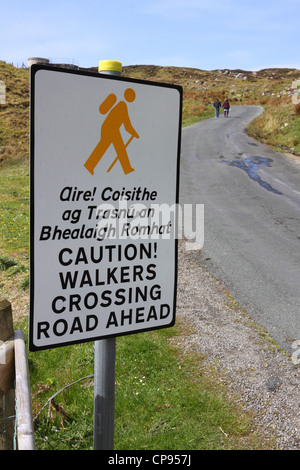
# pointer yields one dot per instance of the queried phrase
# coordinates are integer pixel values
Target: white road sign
(104, 189)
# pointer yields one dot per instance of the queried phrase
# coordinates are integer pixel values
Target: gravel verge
(256, 373)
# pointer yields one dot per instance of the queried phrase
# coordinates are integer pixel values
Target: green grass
(14, 209)
(14, 232)
(278, 126)
(163, 399)
(193, 112)
(14, 228)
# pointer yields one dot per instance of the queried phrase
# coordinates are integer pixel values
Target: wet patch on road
(251, 165)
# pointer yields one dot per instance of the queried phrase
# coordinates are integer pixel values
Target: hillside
(14, 114)
(272, 88)
(279, 126)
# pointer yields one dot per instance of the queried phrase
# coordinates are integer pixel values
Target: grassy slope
(14, 115)
(171, 397)
(14, 187)
(279, 126)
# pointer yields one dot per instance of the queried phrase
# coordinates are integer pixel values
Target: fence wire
(5, 420)
(61, 390)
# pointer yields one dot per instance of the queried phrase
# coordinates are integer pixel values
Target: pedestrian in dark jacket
(226, 107)
(217, 106)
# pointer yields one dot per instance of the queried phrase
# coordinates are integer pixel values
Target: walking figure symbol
(110, 132)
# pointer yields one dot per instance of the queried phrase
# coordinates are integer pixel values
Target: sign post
(104, 192)
(105, 356)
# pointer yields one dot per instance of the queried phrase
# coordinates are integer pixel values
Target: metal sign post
(105, 358)
(104, 394)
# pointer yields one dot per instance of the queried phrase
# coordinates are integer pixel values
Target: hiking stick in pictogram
(117, 157)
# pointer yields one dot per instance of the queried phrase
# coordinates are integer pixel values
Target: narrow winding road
(251, 198)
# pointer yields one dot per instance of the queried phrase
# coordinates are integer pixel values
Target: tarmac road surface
(251, 197)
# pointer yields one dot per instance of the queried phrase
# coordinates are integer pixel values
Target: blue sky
(205, 34)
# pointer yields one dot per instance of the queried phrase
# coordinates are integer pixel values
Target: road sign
(104, 188)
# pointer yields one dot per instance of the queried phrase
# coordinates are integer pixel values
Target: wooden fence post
(24, 421)
(7, 372)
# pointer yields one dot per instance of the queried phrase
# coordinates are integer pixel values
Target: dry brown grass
(200, 89)
(278, 126)
(14, 115)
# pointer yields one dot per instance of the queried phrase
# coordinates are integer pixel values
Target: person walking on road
(217, 106)
(226, 107)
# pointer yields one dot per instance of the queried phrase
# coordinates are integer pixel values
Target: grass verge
(164, 400)
(14, 235)
(278, 126)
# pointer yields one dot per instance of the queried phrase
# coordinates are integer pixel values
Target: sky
(202, 34)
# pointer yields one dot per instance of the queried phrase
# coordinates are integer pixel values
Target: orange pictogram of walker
(110, 132)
